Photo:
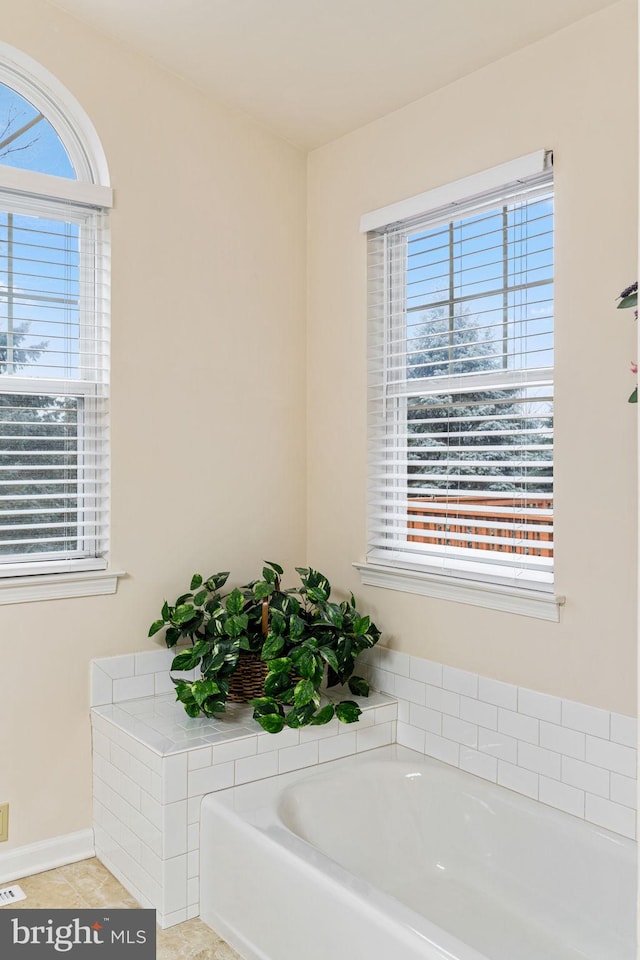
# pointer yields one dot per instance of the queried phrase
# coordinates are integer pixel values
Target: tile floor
(89, 884)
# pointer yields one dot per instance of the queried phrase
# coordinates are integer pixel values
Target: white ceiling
(312, 70)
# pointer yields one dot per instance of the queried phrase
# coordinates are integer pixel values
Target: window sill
(58, 586)
(526, 602)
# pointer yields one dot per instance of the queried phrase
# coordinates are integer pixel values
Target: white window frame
(525, 590)
(86, 199)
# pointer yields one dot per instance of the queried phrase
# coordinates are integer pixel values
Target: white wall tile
(498, 745)
(611, 756)
(571, 743)
(585, 776)
(193, 837)
(174, 891)
(199, 758)
(101, 746)
(162, 683)
(193, 891)
(130, 791)
(151, 809)
(101, 686)
(426, 671)
(411, 690)
(479, 764)
(193, 864)
(334, 747)
(377, 736)
(446, 750)
(142, 774)
(624, 730)
(174, 778)
(539, 760)
(117, 667)
(443, 700)
(404, 710)
(322, 732)
(295, 758)
(193, 808)
(518, 779)
(172, 919)
(425, 718)
(153, 661)
(256, 768)
(394, 662)
(382, 680)
(561, 796)
(386, 714)
(130, 843)
(152, 864)
(460, 731)
(130, 688)
(498, 693)
(517, 725)
(591, 720)
(208, 779)
(120, 758)
(460, 681)
(235, 749)
(286, 738)
(476, 711)
(174, 829)
(155, 787)
(612, 816)
(539, 705)
(624, 790)
(145, 755)
(411, 737)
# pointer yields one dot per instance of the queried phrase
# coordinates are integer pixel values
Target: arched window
(54, 284)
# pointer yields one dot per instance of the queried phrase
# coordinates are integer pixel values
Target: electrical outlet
(4, 821)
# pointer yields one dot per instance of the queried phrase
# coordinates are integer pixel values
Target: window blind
(461, 386)
(53, 384)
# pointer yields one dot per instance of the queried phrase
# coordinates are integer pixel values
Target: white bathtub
(390, 855)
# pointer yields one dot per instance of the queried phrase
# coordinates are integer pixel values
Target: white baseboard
(45, 855)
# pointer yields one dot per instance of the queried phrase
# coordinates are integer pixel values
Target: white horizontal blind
(53, 383)
(461, 387)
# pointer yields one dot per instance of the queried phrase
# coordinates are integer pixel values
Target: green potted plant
(268, 646)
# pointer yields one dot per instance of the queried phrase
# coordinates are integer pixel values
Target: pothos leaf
(324, 715)
(358, 686)
(271, 722)
(347, 711)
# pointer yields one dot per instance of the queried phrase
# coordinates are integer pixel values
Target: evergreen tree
(488, 418)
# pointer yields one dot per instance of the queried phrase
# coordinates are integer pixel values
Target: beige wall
(576, 93)
(208, 411)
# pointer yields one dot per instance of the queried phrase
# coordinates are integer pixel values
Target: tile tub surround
(577, 758)
(152, 764)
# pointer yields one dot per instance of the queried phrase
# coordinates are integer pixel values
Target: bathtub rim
(254, 807)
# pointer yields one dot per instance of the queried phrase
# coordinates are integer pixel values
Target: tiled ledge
(571, 756)
(152, 764)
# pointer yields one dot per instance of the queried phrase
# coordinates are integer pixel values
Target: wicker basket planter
(247, 680)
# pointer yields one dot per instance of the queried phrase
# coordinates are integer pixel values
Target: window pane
(39, 296)
(39, 472)
(28, 140)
